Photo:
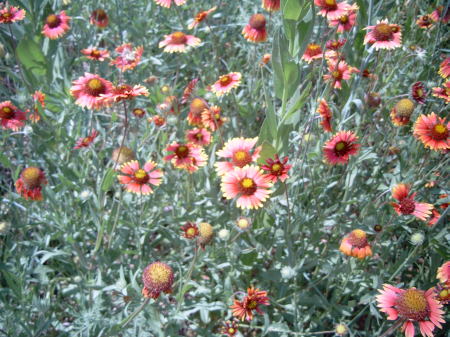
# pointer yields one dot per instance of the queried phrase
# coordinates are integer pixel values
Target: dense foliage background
(72, 264)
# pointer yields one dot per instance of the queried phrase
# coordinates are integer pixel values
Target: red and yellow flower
(200, 137)
(443, 92)
(225, 83)
(190, 230)
(168, 3)
(312, 52)
(444, 68)
(95, 54)
(186, 156)
(212, 118)
(402, 111)
(11, 117)
(331, 9)
(339, 70)
(99, 18)
(383, 35)
(340, 147)
(86, 141)
(433, 131)
(238, 152)
(229, 328)
(346, 22)
(425, 22)
(29, 185)
(325, 112)
(56, 25)
(443, 273)
(277, 169)
(179, 42)
(255, 30)
(407, 205)
(157, 277)
(10, 14)
(89, 90)
(355, 244)
(418, 92)
(244, 309)
(200, 17)
(128, 57)
(271, 5)
(139, 180)
(197, 106)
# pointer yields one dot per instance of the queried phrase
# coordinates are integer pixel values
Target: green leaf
(292, 9)
(32, 59)
(267, 151)
(108, 179)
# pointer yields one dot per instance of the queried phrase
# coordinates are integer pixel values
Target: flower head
(10, 14)
(255, 30)
(340, 147)
(325, 112)
(238, 152)
(442, 292)
(418, 92)
(139, 180)
(206, 234)
(29, 184)
(277, 169)
(168, 3)
(411, 305)
(335, 44)
(179, 42)
(187, 156)
(355, 244)
(99, 18)
(212, 118)
(339, 70)
(444, 68)
(331, 9)
(271, 5)
(86, 141)
(229, 328)
(433, 132)
(225, 83)
(158, 120)
(312, 52)
(88, 91)
(406, 203)
(425, 22)
(190, 230)
(200, 17)
(56, 25)
(157, 278)
(95, 54)
(346, 22)
(383, 35)
(248, 185)
(139, 112)
(11, 117)
(243, 223)
(402, 111)
(251, 302)
(197, 106)
(340, 329)
(128, 57)
(443, 93)
(39, 100)
(201, 137)
(123, 92)
(443, 272)
(265, 59)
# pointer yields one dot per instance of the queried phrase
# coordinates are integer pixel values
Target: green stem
(180, 296)
(127, 320)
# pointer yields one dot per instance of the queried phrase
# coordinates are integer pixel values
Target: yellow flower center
(217, 116)
(247, 183)
(32, 177)
(439, 128)
(360, 234)
(247, 186)
(6, 112)
(344, 19)
(95, 84)
(439, 132)
(141, 176)
(419, 92)
(231, 331)
(243, 223)
(336, 74)
(179, 38)
(225, 80)
(340, 146)
(138, 112)
(191, 232)
(330, 2)
(52, 20)
(313, 46)
(404, 107)
(241, 158)
(159, 274)
(444, 294)
(6, 15)
(252, 305)
(182, 151)
(413, 300)
(358, 238)
(276, 167)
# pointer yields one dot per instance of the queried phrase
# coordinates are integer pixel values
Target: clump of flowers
(413, 306)
(331, 9)
(407, 205)
(88, 91)
(86, 141)
(255, 30)
(383, 35)
(238, 152)
(139, 180)
(402, 111)
(99, 18)
(190, 230)
(276, 169)
(56, 25)
(433, 132)
(244, 310)
(29, 185)
(10, 14)
(225, 83)
(128, 57)
(187, 156)
(355, 244)
(325, 112)
(11, 117)
(157, 277)
(200, 17)
(340, 147)
(179, 42)
(346, 22)
(205, 234)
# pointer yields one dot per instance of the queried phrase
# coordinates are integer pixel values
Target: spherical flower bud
(4, 227)
(243, 223)
(417, 239)
(377, 228)
(224, 234)
(84, 195)
(157, 278)
(340, 329)
(165, 89)
(206, 233)
(123, 155)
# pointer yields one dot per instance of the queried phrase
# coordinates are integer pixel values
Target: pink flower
(277, 169)
(201, 137)
(407, 205)
(443, 93)
(340, 147)
(444, 68)
(95, 54)
(248, 184)
(240, 152)
(88, 91)
(139, 180)
(200, 17)
(56, 25)
(128, 57)
(312, 52)
(347, 21)
(10, 14)
(168, 3)
(212, 118)
(187, 156)
(178, 42)
(443, 272)
(339, 70)
(331, 9)
(383, 35)
(123, 92)
(225, 83)
(271, 5)
(411, 305)
(433, 131)
(11, 117)
(86, 141)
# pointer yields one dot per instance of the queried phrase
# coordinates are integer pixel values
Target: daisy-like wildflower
(138, 112)
(265, 59)
(444, 68)
(443, 273)
(238, 152)
(197, 106)
(312, 52)
(425, 22)
(200, 17)
(325, 112)
(437, 14)
(355, 244)
(248, 184)
(271, 5)
(88, 91)
(433, 131)
(411, 305)
(212, 118)
(11, 117)
(340, 147)
(339, 70)
(122, 155)
(157, 277)
(29, 184)
(190, 230)
(95, 54)
(443, 92)
(335, 44)
(123, 92)
(139, 180)
(346, 22)
(128, 57)
(229, 328)
(276, 169)
(225, 83)
(340, 329)
(201, 137)
(402, 111)
(86, 141)
(56, 25)
(205, 234)
(383, 35)
(406, 203)
(243, 223)
(10, 14)
(168, 3)
(179, 42)
(158, 120)
(187, 156)
(331, 9)
(255, 30)
(251, 302)
(187, 92)
(418, 92)
(99, 18)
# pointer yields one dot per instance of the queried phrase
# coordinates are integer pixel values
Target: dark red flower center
(258, 21)
(343, 19)
(95, 53)
(6, 15)
(6, 112)
(141, 177)
(313, 49)
(247, 186)
(252, 304)
(53, 20)
(182, 151)
(95, 87)
(439, 132)
(179, 38)
(199, 136)
(241, 158)
(412, 304)
(383, 32)
(407, 206)
(138, 112)
(337, 75)
(225, 80)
